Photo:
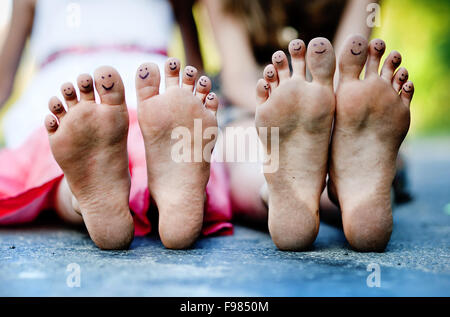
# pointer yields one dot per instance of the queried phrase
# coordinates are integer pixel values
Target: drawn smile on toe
(145, 76)
(407, 91)
(359, 53)
(189, 75)
(108, 88)
(320, 52)
(69, 95)
(210, 97)
(87, 86)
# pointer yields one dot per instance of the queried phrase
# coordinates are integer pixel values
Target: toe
(407, 92)
(390, 65)
(212, 102)
(56, 107)
(51, 124)
(109, 86)
(69, 93)
(279, 60)
(262, 91)
(271, 76)
(321, 60)
(203, 87)
(297, 51)
(353, 57)
(147, 81)
(86, 86)
(172, 70)
(400, 78)
(376, 50)
(189, 77)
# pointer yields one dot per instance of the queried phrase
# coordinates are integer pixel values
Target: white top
(100, 26)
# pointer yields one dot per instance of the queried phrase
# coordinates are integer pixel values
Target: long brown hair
(268, 20)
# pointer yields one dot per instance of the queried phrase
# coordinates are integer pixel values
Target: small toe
(353, 56)
(271, 76)
(203, 87)
(147, 81)
(109, 86)
(297, 50)
(189, 77)
(262, 91)
(70, 94)
(376, 51)
(407, 92)
(51, 124)
(390, 65)
(56, 107)
(172, 71)
(86, 86)
(279, 60)
(400, 78)
(321, 60)
(212, 102)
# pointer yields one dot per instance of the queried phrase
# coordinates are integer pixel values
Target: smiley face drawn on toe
(295, 45)
(319, 48)
(211, 96)
(278, 58)
(396, 60)
(269, 72)
(143, 70)
(379, 46)
(52, 123)
(68, 91)
(107, 84)
(408, 88)
(356, 48)
(57, 108)
(189, 74)
(173, 64)
(266, 86)
(403, 77)
(203, 81)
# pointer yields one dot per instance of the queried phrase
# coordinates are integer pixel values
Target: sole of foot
(89, 142)
(174, 125)
(303, 113)
(372, 119)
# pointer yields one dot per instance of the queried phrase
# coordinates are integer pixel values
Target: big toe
(109, 86)
(353, 56)
(321, 60)
(147, 81)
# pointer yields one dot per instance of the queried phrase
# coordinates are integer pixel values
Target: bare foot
(372, 119)
(178, 188)
(89, 142)
(303, 111)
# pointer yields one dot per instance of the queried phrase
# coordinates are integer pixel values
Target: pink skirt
(29, 176)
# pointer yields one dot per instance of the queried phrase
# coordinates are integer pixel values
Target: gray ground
(34, 259)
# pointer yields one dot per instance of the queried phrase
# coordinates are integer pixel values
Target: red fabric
(29, 176)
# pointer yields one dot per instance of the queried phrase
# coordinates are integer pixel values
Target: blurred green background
(420, 30)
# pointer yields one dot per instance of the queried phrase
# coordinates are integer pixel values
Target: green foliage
(420, 30)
